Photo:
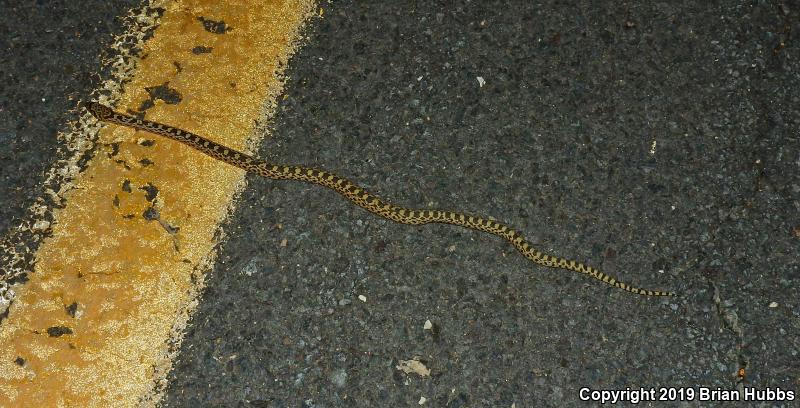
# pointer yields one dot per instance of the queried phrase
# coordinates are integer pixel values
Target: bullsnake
(359, 196)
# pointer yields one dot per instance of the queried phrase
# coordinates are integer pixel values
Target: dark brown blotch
(71, 309)
(58, 331)
(151, 192)
(201, 49)
(212, 26)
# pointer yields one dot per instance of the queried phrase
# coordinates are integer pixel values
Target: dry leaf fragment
(414, 366)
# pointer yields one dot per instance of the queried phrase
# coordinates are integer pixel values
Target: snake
(359, 196)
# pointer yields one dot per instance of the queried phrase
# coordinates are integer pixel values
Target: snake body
(358, 195)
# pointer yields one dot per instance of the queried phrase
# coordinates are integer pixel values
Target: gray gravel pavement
(657, 141)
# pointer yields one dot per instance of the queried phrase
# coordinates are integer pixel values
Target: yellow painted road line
(102, 315)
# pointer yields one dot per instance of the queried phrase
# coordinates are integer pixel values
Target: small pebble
(41, 225)
(339, 378)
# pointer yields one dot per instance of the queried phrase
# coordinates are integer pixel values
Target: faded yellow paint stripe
(112, 289)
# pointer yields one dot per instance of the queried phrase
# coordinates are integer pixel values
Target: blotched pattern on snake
(358, 196)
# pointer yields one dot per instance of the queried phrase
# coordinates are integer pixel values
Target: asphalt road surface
(656, 141)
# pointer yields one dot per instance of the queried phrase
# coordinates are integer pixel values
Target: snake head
(100, 111)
